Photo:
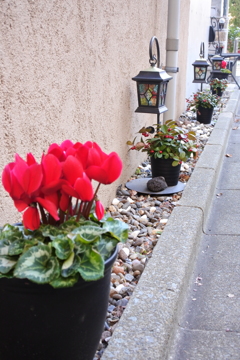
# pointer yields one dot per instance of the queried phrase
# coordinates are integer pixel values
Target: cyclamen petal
(66, 144)
(7, 178)
(49, 206)
(113, 167)
(32, 178)
(97, 173)
(99, 210)
(69, 190)
(31, 159)
(83, 187)
(64, 201)
(108, 172)
(52, 169)
(31, 218)
(72, 169)
(10, 183)
(20, 166)
(20, 205)
(57, 151)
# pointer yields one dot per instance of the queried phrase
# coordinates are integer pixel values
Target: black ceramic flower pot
(217, 91)
(219, 75)
(163, 167)
(204, 115)
(39, 322)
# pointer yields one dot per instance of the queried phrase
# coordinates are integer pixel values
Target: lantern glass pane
(148, 94)
(200, 72)
(217, 64)
(162, 93)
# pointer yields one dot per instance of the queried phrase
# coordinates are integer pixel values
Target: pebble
(118, 269)
(129, 277)
(138, 242)
(115, 201)
(136, 265)
(163, 221)
(122, 254)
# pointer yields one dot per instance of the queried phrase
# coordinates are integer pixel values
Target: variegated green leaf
(64, 282)
(63, 246)
(4, 247)
(80, 248)
(106, 245)
(8, 275)
(11, 232)
(16, 247)
(6, 264)
(38, 265)
(118, 229)
(71, 265)
(86, 234)
(92, 266)
(50, 231)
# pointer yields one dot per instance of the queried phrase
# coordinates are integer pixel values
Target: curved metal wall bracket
(153, 59)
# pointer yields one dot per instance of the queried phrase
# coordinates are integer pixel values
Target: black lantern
(200, 67)
(152, 85)
(216, 62)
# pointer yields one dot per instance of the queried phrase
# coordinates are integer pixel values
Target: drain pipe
(171, 68)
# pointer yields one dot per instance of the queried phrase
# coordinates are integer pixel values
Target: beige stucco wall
(198, 31)
(66, 69)
(182, 57)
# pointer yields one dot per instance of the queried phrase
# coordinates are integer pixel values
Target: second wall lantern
(200, 67)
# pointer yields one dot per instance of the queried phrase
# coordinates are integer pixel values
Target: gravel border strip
(149, 321)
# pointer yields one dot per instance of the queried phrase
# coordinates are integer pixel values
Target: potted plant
(203, 102)
(167, 145)
(218, 86)
(55, 267)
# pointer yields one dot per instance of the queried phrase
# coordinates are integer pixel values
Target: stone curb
(148, 324)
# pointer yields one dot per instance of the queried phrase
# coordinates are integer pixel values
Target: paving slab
(230, 177)
(213, 302)
(207, 345)
(227, 209)
(235, 136)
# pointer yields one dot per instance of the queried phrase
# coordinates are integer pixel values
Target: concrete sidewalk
(149, 328)
(209, 327)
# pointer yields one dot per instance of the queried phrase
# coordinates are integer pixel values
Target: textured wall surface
(198, 31)
(65, 73)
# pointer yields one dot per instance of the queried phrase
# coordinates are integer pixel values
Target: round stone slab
(140, 185)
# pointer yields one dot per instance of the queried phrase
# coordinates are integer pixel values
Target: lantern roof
(217, 58)
(152, 73)
(201, 62)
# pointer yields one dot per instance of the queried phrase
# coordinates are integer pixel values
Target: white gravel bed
(146, 216)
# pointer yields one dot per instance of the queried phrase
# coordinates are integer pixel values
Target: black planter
(38, 322)
(163, 167)
(217, 91)
(219, 75)
(204, 115)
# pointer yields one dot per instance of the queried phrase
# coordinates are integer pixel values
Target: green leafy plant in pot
(203, 102)
(166, 144)
(218, 86)
(63, 251)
